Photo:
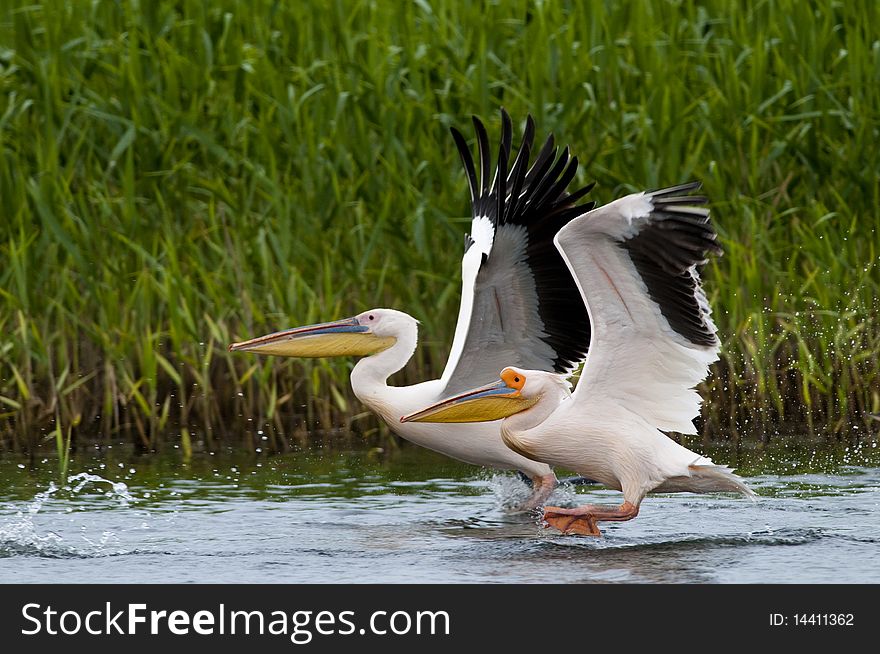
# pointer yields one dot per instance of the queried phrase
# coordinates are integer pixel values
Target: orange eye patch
(513, 379)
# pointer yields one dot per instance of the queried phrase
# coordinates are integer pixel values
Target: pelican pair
(538, 270)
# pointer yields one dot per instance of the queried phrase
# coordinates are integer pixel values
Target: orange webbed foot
(583, 519)
(571, 521)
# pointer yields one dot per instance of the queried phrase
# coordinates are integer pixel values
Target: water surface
(413, 516)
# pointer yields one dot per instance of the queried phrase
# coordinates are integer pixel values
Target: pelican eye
(370, 317)
(512, 379)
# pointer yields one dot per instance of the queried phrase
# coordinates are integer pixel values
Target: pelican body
(635, 262)
(516, 307)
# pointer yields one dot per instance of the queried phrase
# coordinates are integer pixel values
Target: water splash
(511, 492)
(22, 535)
(118, 490)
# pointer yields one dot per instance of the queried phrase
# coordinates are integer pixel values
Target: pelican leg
(542, 486)
(583, 519)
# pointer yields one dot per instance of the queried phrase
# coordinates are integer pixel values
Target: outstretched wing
(635, 261)
(519, 304)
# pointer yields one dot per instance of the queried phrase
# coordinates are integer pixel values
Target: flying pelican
(518, 305)
(635, 262)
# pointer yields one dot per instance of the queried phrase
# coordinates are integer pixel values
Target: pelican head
(367, 333)
(516, 391)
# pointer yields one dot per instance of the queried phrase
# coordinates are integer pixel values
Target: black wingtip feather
(666, 252)
(485, 162)
(577, 195)
(500, 189)
(687, 187)
(542, 161)
(467, 161)
(543, 192)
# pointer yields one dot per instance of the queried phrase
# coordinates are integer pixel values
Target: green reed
(178, 175)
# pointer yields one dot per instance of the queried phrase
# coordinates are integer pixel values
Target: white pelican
(635, 262)
(518, 305)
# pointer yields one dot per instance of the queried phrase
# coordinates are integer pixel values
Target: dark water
(413, 516)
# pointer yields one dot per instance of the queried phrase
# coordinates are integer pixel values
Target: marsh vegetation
(178, 175)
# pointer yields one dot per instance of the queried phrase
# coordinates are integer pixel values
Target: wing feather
(468, 162)
(635, 261)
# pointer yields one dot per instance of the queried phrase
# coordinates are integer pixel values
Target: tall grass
(178, 175)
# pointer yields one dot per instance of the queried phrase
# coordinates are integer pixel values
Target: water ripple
(807, 528)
